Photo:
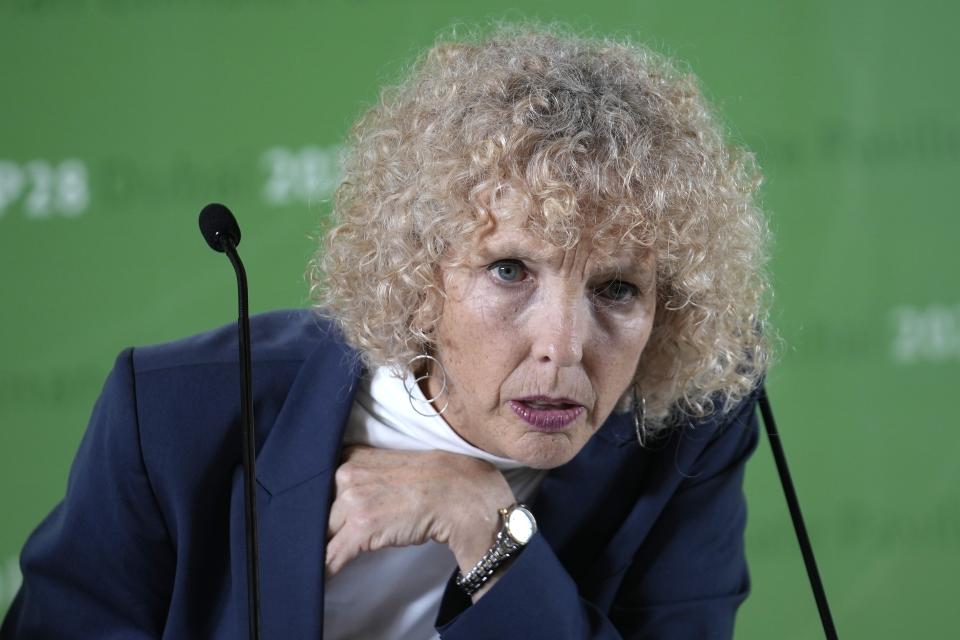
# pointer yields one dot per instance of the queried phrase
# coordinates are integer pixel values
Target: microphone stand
(220, 230)
(249, 441)
(793, 504)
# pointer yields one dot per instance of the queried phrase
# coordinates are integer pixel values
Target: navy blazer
(149, 540)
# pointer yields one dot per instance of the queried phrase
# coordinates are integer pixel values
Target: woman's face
(538, 344)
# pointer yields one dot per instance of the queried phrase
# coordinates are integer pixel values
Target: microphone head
(217, 224)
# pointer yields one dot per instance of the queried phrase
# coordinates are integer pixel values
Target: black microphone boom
(222, 233)
(793, 504)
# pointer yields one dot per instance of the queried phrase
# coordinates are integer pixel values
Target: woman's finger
(339, 553)
(348, 497)
(360, 534)
(336, 519)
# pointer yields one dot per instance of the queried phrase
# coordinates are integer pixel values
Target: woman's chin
(544, 450)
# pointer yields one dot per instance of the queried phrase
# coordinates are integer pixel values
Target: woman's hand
(387, 498)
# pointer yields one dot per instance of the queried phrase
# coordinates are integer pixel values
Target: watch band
(503, 548)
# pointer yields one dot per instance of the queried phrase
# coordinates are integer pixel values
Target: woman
(542, 284)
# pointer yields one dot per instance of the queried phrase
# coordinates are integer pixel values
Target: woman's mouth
(547, 414)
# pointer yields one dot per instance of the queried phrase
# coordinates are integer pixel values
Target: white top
(396, 592)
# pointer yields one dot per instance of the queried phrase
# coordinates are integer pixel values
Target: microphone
(217, 224)
(222, 233)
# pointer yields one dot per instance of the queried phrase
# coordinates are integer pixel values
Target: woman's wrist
(478, 530)
(474, 511)
(517, 526)
(470, 554)
(486, 586)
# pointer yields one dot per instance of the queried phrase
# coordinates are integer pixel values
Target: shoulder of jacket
(289, 335)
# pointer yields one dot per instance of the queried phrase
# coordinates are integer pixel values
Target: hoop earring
(416, 383)
(640, 417)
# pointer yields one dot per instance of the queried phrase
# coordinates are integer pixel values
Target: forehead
(514, 218)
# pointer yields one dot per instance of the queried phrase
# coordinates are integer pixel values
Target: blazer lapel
(295, 476)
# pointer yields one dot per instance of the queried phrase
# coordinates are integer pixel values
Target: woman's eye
(617, 291)
(508, 271)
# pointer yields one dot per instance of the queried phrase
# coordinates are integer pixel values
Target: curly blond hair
(599, 133)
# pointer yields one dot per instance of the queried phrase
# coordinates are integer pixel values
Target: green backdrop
(120, 119)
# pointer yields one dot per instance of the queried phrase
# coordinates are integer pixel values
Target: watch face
(520, 525)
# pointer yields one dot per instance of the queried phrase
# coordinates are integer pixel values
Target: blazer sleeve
(101, 564)
(685, 582)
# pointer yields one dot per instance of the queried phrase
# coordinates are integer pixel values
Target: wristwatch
(517, 527)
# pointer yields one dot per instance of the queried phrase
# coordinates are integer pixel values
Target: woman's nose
(558, 334)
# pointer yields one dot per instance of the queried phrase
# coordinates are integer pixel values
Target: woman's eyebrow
(514, 249)
(638, 271)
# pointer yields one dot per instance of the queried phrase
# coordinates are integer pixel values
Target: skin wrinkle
(543, 334)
